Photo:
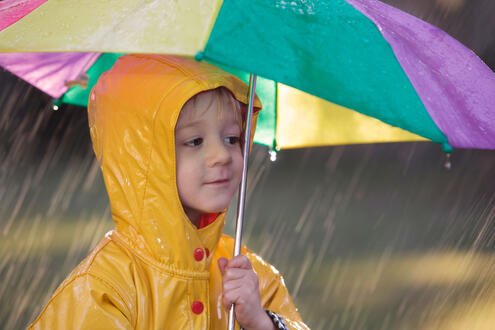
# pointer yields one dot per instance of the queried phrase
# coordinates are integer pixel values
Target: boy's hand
(241, 288)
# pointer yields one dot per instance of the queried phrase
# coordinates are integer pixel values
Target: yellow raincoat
(156, 270)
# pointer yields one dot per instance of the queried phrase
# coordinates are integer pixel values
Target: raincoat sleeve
(85, 302)
(274, 294)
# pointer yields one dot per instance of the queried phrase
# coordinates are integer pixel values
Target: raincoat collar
(133, 110)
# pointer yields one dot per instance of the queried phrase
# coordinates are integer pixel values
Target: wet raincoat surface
(156, 270)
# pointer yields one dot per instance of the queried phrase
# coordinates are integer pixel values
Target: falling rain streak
(367, 236)
(52, 201)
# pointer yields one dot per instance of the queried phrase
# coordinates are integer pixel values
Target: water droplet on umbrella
(273, 155)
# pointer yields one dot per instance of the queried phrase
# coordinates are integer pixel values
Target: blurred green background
(376, 236)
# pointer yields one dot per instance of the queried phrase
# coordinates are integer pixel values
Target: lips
(218, 182)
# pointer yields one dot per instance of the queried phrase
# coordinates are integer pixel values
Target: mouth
(219, 182)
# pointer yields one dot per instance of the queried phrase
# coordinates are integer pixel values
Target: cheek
(185, 171)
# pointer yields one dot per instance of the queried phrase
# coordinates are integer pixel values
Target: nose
(217, 154)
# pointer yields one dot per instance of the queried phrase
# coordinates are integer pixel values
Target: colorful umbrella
(359, 54)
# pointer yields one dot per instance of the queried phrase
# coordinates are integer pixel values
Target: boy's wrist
(268, 324)
(265, 322)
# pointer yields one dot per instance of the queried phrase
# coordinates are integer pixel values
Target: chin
(218, 204)
(217, 208)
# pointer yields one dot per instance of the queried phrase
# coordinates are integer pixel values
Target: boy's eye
(194, 142)
(232, 139)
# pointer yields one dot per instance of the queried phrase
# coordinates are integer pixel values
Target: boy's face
(208, 155)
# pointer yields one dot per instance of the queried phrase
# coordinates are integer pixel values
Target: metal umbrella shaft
(242, 189)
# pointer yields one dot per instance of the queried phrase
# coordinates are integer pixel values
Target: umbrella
(360, 54)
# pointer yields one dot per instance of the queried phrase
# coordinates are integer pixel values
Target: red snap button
(199, 254)
(207, 252)
(197, 307)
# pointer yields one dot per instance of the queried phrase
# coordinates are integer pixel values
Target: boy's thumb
(222, 264)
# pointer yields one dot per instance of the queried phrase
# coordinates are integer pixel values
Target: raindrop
(448, 164)
(273, 155)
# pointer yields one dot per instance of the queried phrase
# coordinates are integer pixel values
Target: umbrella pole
(242, 189)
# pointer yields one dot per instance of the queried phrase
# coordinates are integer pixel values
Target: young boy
(167, 132)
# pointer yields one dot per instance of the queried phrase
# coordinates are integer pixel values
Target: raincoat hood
(133, 110)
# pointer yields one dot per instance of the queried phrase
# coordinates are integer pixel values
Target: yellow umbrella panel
(121, 26)
(304, 120)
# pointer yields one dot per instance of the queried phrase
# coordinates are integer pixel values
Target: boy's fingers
(240, 261)
(232, 285)
(231, 274)
(232, 297)
(227, 287)
(222, 264)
